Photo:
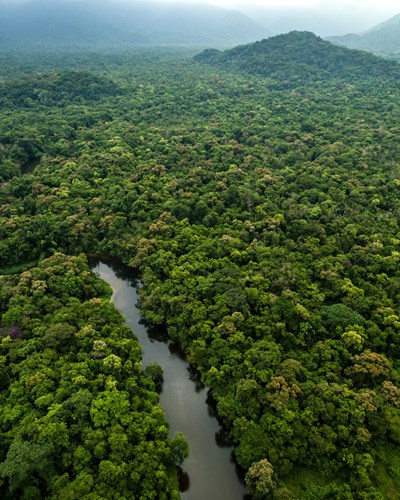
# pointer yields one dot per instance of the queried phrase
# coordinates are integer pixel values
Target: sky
(363, 14)
(370, 12)
(393, 5)
(381, 4)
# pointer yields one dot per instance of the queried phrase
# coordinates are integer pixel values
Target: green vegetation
(263, 215)
(21, 267)
(79, 419)
(302, 58)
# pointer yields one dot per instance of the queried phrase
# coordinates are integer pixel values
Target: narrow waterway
(209, 472)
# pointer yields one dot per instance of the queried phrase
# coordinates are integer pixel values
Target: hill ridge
(300, 57)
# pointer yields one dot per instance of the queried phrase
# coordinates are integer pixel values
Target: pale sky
(393, 5)
(384, 4)
(385, 7)
(380, 8)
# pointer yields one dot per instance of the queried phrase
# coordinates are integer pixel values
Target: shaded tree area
(265, 223)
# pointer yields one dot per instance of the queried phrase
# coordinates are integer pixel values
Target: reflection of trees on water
(123, 272)
(183, 479)
(194, 376)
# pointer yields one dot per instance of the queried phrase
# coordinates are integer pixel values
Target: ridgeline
(300, 57)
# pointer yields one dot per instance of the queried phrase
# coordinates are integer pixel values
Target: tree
(259, 479)
(179, 448)
(27, 464)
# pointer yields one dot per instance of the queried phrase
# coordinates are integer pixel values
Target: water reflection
(183, 479)
(155, 334)
(222, 439)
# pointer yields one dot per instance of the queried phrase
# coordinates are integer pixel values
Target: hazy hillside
(299, 57)
(383, 38)
(88, 23)
(324, 19)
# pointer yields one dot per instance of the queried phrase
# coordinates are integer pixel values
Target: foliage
(299, 58)
(259, 479)
(78, 418)
(263, 217)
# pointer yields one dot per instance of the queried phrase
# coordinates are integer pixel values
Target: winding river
(209, 473)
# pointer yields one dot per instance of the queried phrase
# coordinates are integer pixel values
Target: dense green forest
(301, 57)
(262, 211)
(79, 418)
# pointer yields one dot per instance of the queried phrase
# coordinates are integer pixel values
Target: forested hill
(301, 56)
(383, 38)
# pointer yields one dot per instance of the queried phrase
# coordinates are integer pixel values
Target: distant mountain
(382, 39)
(300, 57)
(325, 19)
(108, 23)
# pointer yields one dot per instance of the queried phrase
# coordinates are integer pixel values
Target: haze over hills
(116, 23)
(300, 57)
(92, 23)
(383, 38)
(325, 19)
